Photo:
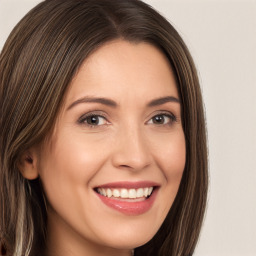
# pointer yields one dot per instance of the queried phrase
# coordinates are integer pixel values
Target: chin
(130, 236)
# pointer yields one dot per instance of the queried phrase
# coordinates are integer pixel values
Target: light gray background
(221, 35)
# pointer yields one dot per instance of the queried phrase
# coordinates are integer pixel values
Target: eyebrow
(111, 103)
(88, 99)
(163, 100)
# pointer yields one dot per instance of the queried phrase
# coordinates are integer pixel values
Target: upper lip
(129, 184)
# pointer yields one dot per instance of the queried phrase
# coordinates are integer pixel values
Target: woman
(103, 145)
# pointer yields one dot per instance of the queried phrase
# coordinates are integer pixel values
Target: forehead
(122, 69)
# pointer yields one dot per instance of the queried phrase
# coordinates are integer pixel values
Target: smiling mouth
(126, 194)
(129, 198)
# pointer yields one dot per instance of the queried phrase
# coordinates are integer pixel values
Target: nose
(131, 150)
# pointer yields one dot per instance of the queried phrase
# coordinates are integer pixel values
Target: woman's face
(118, 135)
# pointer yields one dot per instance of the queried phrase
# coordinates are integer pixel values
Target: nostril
(125, 166)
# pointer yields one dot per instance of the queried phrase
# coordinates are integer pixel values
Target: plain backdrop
(222, 38)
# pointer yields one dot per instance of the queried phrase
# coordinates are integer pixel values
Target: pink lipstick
(130, 198)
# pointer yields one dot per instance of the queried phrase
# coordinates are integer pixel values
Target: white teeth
(145, 191)
(116, 193)
(125, 193)
(132, 193)
(140, 192)
(109, 192)
(104, 193)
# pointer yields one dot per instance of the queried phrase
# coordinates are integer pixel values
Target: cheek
(175, 160)
(72, 158)
(171, 155)
(172, 158)
(67, 167)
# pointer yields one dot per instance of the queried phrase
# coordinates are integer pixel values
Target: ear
(27, 164)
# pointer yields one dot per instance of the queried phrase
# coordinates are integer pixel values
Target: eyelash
(83, 119)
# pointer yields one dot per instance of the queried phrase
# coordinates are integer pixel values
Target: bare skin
(131, 137)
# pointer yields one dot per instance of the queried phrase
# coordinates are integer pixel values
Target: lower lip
(129, 207)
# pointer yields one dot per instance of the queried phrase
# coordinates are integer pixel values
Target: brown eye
(162, 119)
(93, 120)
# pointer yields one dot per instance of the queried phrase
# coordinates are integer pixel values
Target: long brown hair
(37, 64)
